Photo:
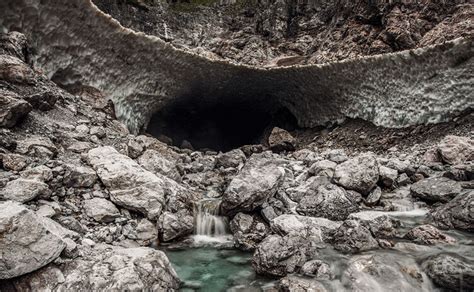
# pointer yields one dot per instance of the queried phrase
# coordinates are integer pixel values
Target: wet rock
(248, 231)
(359, 174)
(281, 140)
(456, 149)
(101, 210)
(384, 272)
(458, 213)
(14, 162)
(256, 182)
(281, 255)
(353, 237)
(26, 244)
(153, 161)
(314, 228)
(233, 158)
(24, 190)
(300, 284)
(79, 176)
(130, 185)
(374, 197)
(450, 271)
(175, 225)
(388, 176)
(461, 173)
(379, 223)
(317, 269)
(330, 202)
(12, 110)
(106, 268)
(429, 235)
(436, 189)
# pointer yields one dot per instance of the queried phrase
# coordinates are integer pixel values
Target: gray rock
(155, 162)
(281, 255)
(384, 272)
(12, 110)
(323, 167)
(233, 158)
(37, 146)
(388, 176)
(403, 180)
(452, 272)
(281, 140)
(135, 148)
(359, 174)
(130, 185)
(24, 190)
(330, 202)
(379, 223)
(147, 232)
(26, 243)
(318, 269)
(374, 197)
(79, 176)
(456, 150)
(248, 231)
(353, 237)
(436, 189)
(336, 155)
(40, 173)
(106, 268)
(101, 210)
(313, 228)
(458, 213)
(175, 225)
(299, 284)
(14, 162)
(44, 100)
(307, 188)
(429, 235)
(256, 182)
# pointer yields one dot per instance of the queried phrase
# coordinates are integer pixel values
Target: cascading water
(209, 226)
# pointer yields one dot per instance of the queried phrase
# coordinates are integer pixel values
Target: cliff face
(296, 32)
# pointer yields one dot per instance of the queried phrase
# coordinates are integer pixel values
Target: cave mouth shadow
(219, 125)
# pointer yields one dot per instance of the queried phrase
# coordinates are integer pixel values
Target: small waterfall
(209, 226)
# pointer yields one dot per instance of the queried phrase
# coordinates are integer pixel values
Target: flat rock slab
(26, 244)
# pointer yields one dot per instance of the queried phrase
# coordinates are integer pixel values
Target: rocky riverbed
(85, 205)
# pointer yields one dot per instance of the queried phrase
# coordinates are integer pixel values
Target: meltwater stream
(209, 226)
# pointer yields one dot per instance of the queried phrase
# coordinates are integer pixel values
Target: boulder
(317, 269)
(353, 237)
(380, 224)
(233, 158)
(374, 197)
(130, 185)
(451, 272)
(458, 213)
(26, 244)
(456, 149)
(281, 140)
(12, 110)
(155, 162)
(24, 190)
(436, 189)
(299, 284)
(281, 255)
(313, 228)
(175, 225)
(40, 173)
(387, 175)
(37, 146)
(79, 176)
(256, 182)
(14, 162)
(43, 101)
(384, 272)
(331, 202)
(101, 210)
(248, 231)
(308, 188)
(106, 268)
(147, 232)
(359, 174)
(429, 235)
(323, 168)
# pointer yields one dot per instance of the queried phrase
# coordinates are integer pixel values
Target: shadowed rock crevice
(220, 124)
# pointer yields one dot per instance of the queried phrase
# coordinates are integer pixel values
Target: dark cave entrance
(219, 125)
